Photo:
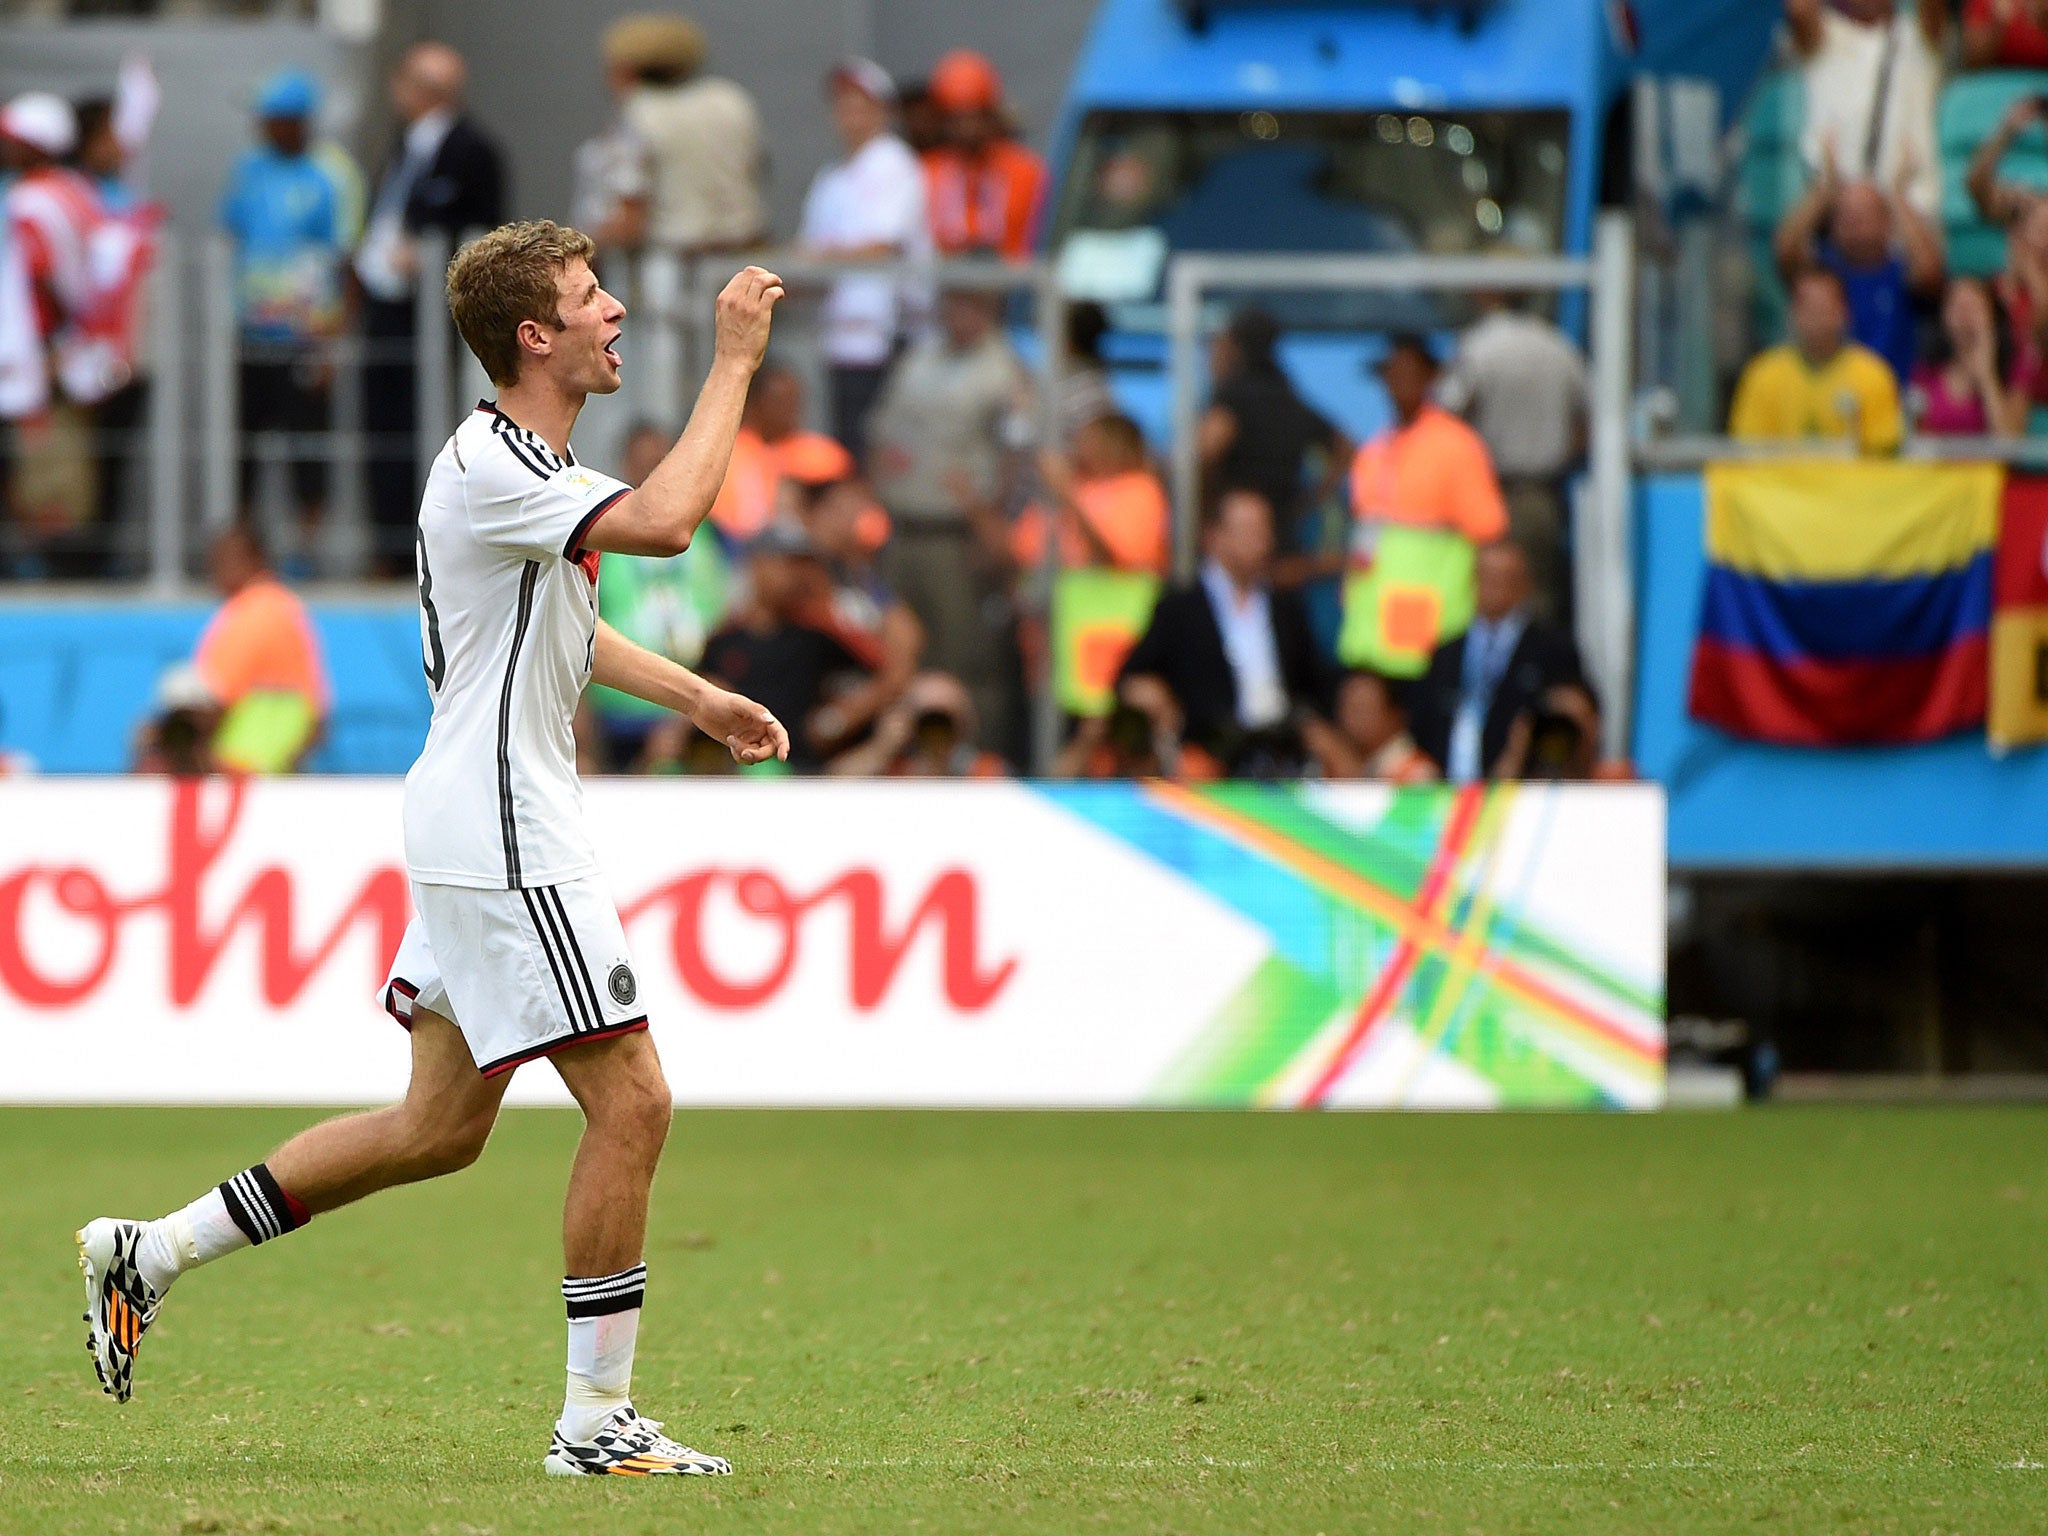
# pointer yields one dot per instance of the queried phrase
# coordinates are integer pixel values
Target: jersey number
(432, 656)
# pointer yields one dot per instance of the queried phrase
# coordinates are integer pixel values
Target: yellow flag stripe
(1850, 520)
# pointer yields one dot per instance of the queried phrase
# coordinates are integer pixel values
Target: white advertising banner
(878, 943)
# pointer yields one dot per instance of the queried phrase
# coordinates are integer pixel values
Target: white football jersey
(508, 626)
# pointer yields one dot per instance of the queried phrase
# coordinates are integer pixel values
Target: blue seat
(1770, 178)
(1970, 110)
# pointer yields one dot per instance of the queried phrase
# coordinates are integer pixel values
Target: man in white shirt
(516, 952)
(869, 205)
(1522, 384)
(1872, 70)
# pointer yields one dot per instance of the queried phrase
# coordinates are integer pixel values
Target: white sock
(600, 1350)
(202, 1232)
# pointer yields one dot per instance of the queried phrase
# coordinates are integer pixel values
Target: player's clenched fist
(745, 309)
(749, 731)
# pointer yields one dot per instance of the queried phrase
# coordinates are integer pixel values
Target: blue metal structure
(1149, 54)
(1574, 56)
(1278, 62)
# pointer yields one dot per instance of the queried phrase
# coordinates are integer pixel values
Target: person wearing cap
(787, 646)
(1428, 469)
(444, 176)
(984, 191)
(48, 301)
(288, 206)
(699, 186)
(869, 206)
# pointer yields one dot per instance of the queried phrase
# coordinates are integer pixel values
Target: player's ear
(532, 336)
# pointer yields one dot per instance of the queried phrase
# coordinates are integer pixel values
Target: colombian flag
(1846, 601)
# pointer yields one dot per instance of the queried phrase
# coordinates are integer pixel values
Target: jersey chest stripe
(507, 823)
(520, 450)
(582, 967)
(571, 1013)
(551, 460)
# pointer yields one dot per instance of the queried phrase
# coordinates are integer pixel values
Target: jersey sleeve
(524, 500)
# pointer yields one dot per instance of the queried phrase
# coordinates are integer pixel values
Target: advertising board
(810, 943)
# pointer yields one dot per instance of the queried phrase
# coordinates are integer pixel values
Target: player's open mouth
(611, 349)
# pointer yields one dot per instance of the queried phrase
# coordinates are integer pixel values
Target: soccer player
(516, 952)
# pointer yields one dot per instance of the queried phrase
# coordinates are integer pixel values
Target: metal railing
(191, 445)
(1690, 453)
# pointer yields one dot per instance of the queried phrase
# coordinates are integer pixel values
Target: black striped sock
(260, 1207)
(602, 1295)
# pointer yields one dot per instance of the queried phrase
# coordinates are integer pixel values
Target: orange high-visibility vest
(989, 202)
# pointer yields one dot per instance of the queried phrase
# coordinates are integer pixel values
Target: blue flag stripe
(1912, 617)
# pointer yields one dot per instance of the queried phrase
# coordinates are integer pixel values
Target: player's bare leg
(626, 1106)
(440, 1126)
(619, 1085)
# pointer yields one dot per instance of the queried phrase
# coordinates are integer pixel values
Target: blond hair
(499, 281)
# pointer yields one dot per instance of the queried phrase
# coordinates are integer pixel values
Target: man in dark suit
(1228, 665)
(444, 176)
(1498, 671)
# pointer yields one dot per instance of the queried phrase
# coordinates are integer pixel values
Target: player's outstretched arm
(662, 516)
(749, 731)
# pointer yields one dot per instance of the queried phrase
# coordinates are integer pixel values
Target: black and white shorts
(522, 973)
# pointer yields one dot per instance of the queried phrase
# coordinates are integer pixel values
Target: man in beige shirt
(699, 138)
(941, 458)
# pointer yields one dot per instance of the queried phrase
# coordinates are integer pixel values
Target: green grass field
(1795, 1320)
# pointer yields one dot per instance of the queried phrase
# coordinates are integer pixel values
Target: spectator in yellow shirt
(1820, 385)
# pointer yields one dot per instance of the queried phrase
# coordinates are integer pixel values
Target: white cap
(41, 121)
(866, 76)
(181, 687)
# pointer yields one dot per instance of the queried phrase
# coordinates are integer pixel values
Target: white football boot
(119, 1304)
(630, 1446)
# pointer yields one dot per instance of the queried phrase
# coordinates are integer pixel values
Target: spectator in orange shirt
(259, 661)
(772, 447)
(1112, 509)
(983, 190)
(1429, 469)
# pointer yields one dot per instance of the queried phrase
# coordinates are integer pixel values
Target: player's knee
(450, 1145)
(653, 1110)
(638, 1111)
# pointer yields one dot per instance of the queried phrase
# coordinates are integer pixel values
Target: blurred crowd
(898, 568)
(1884, 339)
